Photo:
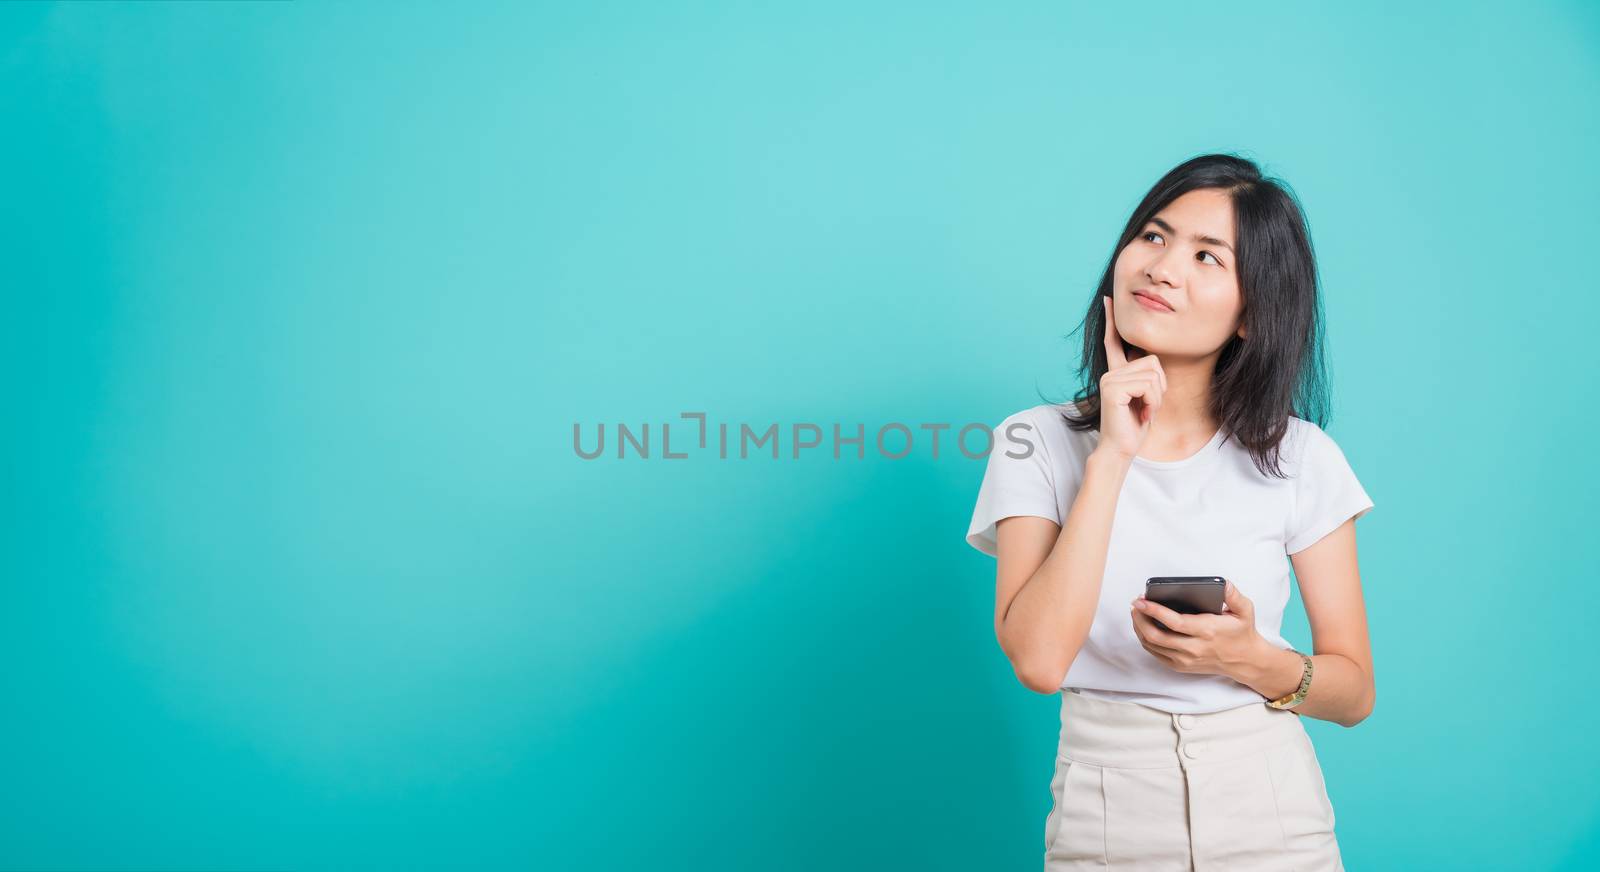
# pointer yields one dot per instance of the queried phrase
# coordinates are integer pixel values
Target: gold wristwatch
(1291, 700)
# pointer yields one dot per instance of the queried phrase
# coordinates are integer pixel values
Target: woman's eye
(1146, 236)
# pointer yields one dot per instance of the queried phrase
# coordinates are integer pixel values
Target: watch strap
(1290, 700)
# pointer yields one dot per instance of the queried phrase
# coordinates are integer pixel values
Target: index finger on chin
(1114, 355)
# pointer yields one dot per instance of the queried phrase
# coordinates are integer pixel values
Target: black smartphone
(1187, 594)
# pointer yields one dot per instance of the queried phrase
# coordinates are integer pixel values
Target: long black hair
(1277, 370)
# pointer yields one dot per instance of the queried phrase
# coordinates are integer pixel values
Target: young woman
(1196, 449)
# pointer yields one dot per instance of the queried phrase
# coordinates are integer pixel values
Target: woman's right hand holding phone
(1130, 395)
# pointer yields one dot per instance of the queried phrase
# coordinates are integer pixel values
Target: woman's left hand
(1204, 643)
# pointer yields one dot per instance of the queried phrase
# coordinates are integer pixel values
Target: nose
(1159, 269)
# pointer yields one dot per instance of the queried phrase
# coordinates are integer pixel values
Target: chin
(1158, 348)
(1141, 340)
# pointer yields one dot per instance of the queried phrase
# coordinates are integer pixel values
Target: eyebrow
(1208, 240)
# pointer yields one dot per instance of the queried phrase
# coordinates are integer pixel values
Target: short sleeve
(1326, 492)
(1018, 481)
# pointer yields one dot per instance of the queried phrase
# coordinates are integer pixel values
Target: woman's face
(1198, 277)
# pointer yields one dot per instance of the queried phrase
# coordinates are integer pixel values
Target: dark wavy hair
(1277, 370)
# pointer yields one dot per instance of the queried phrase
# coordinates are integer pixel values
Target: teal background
(304, 299)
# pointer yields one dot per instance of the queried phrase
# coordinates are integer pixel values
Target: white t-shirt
(1212, 513)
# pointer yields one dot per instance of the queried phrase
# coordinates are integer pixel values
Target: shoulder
(1306, 443)
(1044, 427)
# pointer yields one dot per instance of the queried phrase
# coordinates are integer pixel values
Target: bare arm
(1048, 577)
(1342, 687)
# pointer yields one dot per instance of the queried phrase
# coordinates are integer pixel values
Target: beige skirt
(1140, 788)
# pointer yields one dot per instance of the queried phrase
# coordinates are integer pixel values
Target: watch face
(1289, 701)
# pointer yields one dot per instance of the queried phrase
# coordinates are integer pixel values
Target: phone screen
(1187, 594)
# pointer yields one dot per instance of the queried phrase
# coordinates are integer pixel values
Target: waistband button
(1186, 721)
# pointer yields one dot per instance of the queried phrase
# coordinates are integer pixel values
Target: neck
(1184, 417)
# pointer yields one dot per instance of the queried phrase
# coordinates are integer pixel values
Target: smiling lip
(1152, 301)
